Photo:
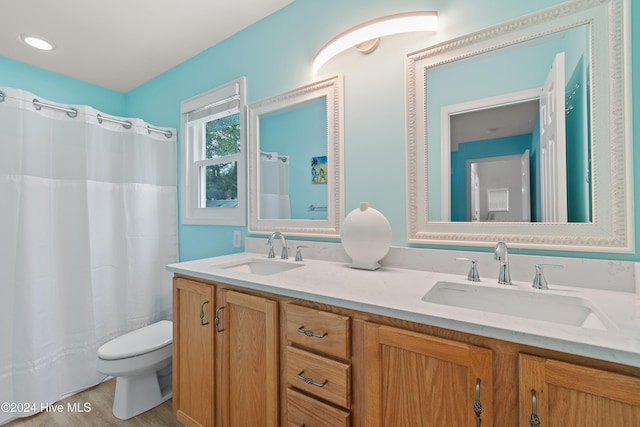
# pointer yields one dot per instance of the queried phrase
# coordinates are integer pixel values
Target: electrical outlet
(237, 236)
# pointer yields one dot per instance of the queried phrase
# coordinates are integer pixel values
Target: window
(213, 156)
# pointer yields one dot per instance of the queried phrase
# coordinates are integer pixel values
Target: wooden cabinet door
(413, 379)
(248, 352)
(193, 353)
(573, 395)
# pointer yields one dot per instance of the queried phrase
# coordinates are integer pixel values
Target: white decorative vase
(366, 237)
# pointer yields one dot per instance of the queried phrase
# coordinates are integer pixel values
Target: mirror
(563, 70)
(482, 122)
(295, 161)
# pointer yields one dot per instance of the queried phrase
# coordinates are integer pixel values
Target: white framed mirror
(296, 177)
(464, 98)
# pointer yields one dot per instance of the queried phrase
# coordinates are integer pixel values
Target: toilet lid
(140, 341)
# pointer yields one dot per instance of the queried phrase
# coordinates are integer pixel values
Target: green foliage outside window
(223, 139)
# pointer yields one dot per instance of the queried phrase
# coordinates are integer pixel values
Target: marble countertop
(398, 293)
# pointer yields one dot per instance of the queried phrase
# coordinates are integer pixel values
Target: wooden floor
(98, 400)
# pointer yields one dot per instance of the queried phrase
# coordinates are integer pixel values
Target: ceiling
(120, 44)
(493, 123)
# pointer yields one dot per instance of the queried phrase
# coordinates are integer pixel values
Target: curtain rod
(72, 112)
(269, 156)
(125, 123)
(166, 133)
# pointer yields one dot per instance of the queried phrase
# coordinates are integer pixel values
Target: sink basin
(262, 266)
(540, 306)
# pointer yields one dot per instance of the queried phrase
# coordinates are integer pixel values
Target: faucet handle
(540, 282)
(473, 275)
(271, 253)
(299, 252)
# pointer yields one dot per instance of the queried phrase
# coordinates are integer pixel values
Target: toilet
(141, 362)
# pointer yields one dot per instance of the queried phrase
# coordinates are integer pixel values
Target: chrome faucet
(501, 254)
(283, 240)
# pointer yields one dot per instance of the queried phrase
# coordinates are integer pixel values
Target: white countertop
(398, 293)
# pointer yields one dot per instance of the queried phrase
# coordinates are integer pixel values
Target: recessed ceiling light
(36, 41)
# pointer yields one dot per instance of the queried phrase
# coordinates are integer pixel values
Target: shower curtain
(274, 190)
(88, 223)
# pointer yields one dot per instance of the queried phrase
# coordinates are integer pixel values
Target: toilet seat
(138, 342)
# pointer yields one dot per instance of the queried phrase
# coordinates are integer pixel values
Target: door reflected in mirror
(547, 118)
(498, 189)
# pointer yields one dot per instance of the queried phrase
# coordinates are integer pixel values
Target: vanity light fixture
(365, 37)
(36, 42)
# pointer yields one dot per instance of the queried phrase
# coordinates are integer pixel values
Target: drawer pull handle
(534, 420)
(310, 333)
(477, 404)
(310, 381)
(202, 314)
(216, 321)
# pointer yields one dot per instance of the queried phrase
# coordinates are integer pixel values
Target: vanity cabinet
(568, 394)
(272, 360)
(414, 379)
(193, 352)
(225, 357)
(247, 334)
(317, 370)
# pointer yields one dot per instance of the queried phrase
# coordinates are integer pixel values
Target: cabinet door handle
(202, 313)
(310, 381)
(477, 405)
(310, 333)
(217, 319)
(534, 420)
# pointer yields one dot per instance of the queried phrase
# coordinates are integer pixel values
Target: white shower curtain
(274, 191)
(88, 223)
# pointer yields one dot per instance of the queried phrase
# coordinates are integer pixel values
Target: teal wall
(300, 134)
(275, 55)
(578, 154)
(58, 88)
(536, 187)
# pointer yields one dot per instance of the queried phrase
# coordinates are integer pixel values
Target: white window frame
(192, 147)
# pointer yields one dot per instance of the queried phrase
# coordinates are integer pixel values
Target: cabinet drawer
(331, 379)
(306, 411)
(330, 331)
